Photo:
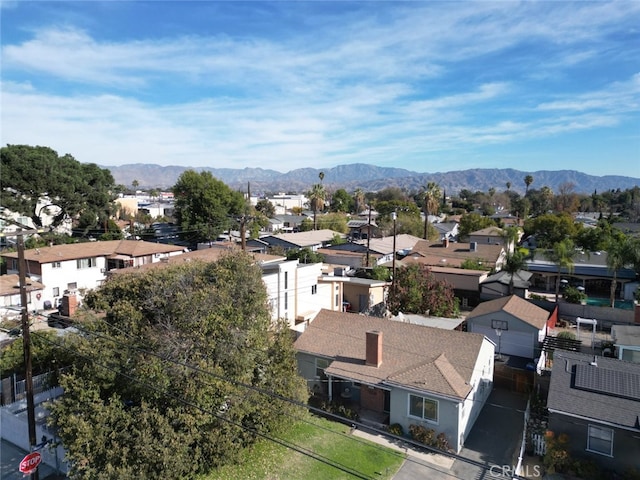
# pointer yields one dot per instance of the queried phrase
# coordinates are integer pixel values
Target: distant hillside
(372, 178)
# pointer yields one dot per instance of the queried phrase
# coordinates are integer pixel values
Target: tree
(266, 208)
(562, 254)
(165, 374)
(416, 290)
(35, 181)
(528, 180)
(333, 221)
(514, 262)
(471, 222)
(508, 186)
(550, 228)
(305, 255)
(358, 200)
(204, 204)
(622, 251)
(341, 201)
(431, 202)
(316, 196)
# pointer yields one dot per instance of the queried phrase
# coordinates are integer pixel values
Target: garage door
(511, 343)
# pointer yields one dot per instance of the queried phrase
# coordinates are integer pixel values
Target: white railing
(524, 439)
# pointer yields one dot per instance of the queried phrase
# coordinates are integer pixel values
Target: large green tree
(36, 181)
(204, 205)
(416, 290)
(471, 222)
(173, 380)
(551, 228)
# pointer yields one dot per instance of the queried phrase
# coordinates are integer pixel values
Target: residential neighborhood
(389, 373)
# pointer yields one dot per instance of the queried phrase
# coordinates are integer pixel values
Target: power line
(284, 443)
(289, 400)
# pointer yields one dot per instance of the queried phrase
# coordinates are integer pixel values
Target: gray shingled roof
(413, 356)
(565, 397)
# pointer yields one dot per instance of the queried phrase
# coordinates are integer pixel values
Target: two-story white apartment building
(78, 266)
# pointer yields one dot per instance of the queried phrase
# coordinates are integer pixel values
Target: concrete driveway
(495, 438)
(494, 441)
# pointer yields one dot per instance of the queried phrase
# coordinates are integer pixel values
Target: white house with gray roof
(404, 373)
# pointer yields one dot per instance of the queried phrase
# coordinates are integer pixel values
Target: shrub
(567, 335)
(422, 434)
(556, 459)
(396, 429)
(573, 295)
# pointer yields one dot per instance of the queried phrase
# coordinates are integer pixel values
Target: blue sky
(426, 86)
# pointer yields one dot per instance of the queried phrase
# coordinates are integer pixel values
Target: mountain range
(372, 178)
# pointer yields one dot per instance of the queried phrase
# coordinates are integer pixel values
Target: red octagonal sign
(30, 463)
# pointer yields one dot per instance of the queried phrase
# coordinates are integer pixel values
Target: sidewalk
(434, 459)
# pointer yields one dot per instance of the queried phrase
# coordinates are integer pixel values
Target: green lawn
(268, 460)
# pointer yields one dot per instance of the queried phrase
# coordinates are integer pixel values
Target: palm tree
(358, 197)
(528, 180)
(317, 196)
(508, 186)
(514, 262)
(431, 202)
(622, 251)
(562, 254)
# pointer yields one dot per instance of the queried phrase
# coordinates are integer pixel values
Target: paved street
(11, 457)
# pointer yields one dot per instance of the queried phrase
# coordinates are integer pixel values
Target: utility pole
(26, 343)
(369, 235)
(394, 216)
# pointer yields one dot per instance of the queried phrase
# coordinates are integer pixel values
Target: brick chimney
(445, 241)
(69, 305)
(374, 349)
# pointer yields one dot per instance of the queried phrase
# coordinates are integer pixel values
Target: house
(595, 401)
(77, 266)
(626, 340)
(498, 285)
(590, 271)
(447, 229)
(313, 239)
(465, 282)
(489, 236)
(515, 325)
(285, 223)
(379, 250)
(403, 373)
(362, 229)
(10, 302)
(447, 254)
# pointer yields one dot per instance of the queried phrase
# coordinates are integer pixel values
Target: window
(424, 408)
(286, 301)
(55, 265)
(56, 291)
(14, 264)
(499, 324)
(86, 263)
(72, 286)
(337, 299)
(600, 440)
(286, 280)
(321, 364)
(314, 289)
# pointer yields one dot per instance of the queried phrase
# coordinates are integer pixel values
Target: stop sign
(30, 463)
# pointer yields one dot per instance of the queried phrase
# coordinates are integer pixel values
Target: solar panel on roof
(608, 382)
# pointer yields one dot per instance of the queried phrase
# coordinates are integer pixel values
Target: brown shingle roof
(9, 285)
(72, 251)
(435, 253)
(413, 356)
(516, 306)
